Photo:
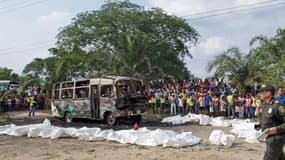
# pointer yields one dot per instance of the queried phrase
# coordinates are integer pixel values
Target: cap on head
(267, 88)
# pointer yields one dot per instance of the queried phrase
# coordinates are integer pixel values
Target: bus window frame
(105, 94)
(81, 86)
(84, 94)
(65, 86)
(69, 84)
(56, 88)
(127, 87)
(56, 94)
(67, 93)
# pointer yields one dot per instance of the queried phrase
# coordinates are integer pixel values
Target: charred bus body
(108, 98)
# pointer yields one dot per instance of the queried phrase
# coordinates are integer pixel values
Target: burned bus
(108, 98)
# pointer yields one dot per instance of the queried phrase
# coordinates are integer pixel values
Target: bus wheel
(68, 117)
(110, 119)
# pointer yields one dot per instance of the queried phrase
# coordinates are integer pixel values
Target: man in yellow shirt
(184, 101)
(190, 103)
(231, 107)
(253, 107)
(162, 102)
(152, 103)
(33, 105)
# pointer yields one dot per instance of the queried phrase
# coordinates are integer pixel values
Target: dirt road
(23, 148)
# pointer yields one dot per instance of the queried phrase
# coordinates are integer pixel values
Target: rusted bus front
(120, 95)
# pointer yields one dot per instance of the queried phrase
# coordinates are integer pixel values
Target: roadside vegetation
(123, 38)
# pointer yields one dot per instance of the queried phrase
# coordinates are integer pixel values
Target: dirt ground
(23, 148)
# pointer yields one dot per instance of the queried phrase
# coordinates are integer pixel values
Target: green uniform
(162, 102)
(273, 115)
(152, 103)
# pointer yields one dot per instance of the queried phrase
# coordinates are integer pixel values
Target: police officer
(272, 118)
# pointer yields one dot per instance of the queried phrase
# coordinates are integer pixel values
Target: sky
(29, 27)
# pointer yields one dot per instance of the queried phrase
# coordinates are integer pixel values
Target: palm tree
(269, 56)
(133, 57)
(232, 63)
(138, 57)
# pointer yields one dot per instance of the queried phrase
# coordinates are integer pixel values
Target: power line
(13, 8)
(26, 49)
(230, 8)
(25, 45)
(216, 13)
(233, 11)
(15, 4)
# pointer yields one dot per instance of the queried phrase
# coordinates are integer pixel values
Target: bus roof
(109, 79)
(104, 80)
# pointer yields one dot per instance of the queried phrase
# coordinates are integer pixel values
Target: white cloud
(179, 7)
(219, 33)
(188, 7)
(206, 50)
(212, 46)
(197, 8)
(56, 17)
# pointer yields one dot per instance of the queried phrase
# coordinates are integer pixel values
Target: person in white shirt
(172, 101)
(180, 105)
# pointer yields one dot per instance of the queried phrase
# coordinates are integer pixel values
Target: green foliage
(121, 38)
(7, 74)
(133, 40)
(265, 63)
(269, 57)
(232, 63)
(11, 92)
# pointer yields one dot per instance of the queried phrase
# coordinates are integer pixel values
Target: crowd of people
(14, 102)
(217, 98)
(214, 97)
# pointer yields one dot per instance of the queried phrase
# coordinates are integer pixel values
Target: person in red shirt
(197, 105)
(216, 105)
(247, 105)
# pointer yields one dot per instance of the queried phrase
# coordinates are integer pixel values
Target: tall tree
(121, 38)
(265, 63)
(232, 63)
(137, 40)
(269, 57)
(7, 74)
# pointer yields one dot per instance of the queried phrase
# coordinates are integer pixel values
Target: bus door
(95, 102)
(106, 97)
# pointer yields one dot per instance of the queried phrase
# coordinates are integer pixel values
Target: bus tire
(68, 117)
(110, 119)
